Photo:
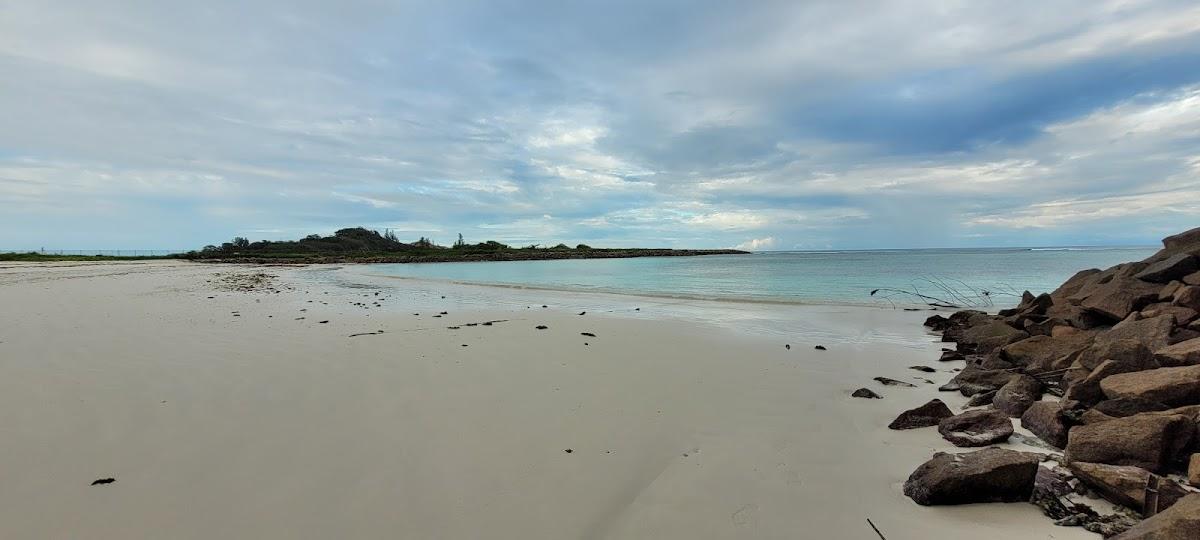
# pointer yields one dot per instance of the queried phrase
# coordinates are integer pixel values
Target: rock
(1193, 470)
(989, 475)
(1122, 407)
(1179, 522)
(1173, 267)
(1183, 315)
(973, 380)
(1168, 291)
(1017, 395)
(981, 399)
(1191, 279)
(923, 369)
(937, 323)
(1187, 241)
(926, 415)
(1188, 297)
(866, 393)
(985, 338)
(1151, 441)
(1126, 485)
(1176, 386)
(1046, 420)
(1074, 284)
(1092, 416)
(1153, 332)
(1116, 299)
(976, 428)
(1088, 390)
(1047, 353)
(1131, 354)
(893, 382)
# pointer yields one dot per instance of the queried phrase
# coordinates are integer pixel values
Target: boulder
(1073, 285)
(981, 399)
(1151, 441)
(1047, 353)
(1168, 291)
(989, 475)
(1045, 419)
(1184, 353)
(1176, 386)
(893, 382)
(1088, 390)
(1017, 395)
(1187, 241)
(1122, 407)
(1193, 470)
(1171, 268)
(989, 336)
(865, 393)
(1183, 315)
(1126, 485)
(1116, 299)
(926, 415)
(1179, 522)
(972, 380)
(1092, 416)
(1130, 353)
(1153, 332)
(1191, 279)
(1188, 297)
(937, 323)
(976, 428)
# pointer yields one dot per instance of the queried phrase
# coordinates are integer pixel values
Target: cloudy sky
(768, 125)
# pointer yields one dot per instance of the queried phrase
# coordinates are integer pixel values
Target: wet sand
(242, 416)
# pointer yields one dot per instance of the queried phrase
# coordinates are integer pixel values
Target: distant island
(360, 245)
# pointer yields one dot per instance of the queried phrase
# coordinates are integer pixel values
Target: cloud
(757, 244)
(824, 124)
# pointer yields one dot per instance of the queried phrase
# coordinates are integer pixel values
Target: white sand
(261, 426)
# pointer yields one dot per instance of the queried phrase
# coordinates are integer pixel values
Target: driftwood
(881, 537)
(945, 293)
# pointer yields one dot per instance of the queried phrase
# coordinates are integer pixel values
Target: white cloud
(757, 244)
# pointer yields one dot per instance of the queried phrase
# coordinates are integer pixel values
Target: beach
(326, 402)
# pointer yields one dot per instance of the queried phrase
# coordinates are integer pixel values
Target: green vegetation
(363, 245)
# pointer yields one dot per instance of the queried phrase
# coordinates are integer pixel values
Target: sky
(764, 125)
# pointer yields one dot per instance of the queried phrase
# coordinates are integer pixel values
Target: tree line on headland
(358, 244)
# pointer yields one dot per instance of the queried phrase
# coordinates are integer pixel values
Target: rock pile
(1118, 352)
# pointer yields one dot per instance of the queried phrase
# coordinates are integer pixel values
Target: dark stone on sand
(541, 327)
(925, 369)
(893, 382)
(103, 481)
(926, 415)
(976, 428)
(588, 334)
(866, 393)
(820, 347)
(988, 475)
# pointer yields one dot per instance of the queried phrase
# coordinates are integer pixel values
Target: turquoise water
(841, 277)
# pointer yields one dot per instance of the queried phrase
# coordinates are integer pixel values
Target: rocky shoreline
(1105, 371)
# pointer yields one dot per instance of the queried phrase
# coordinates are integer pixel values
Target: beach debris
(543, 305)
(322, 322)
(103, 481)
(976, 428)
(464, 344)
(926, 415)
(568, 450)
(820, 348)
(787, 346)
(893, 382)
(375, 333)
(588, 334)
(444, 313)
(541, 327)
(988, 475)
(866, 393)
(583, 313)
(299, 318)
(876, 529)
(925, 369)
(453, 327)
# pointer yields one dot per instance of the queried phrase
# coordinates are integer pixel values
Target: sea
(991, 278)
